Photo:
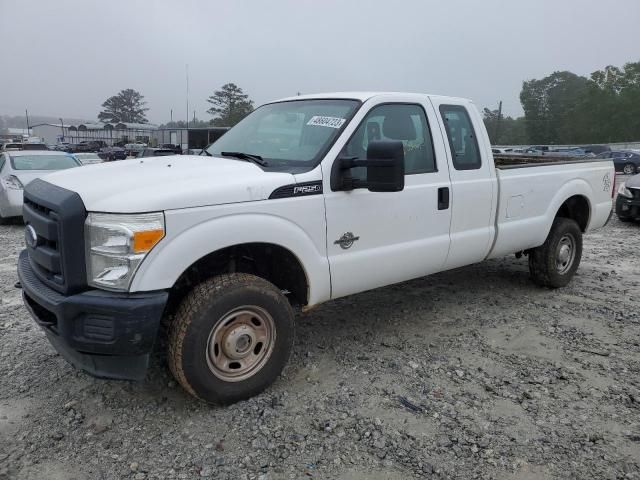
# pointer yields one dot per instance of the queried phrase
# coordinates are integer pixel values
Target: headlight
(624, 191)
(13, 183)
(116, 244)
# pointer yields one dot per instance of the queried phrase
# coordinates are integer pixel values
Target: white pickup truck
(307, 199)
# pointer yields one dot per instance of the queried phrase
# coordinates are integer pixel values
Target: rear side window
(462, 137)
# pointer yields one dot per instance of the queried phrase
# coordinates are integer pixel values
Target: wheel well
(272, 262)
(576, 208)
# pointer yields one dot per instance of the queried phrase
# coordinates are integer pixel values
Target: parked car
(628, 200)
(596, 149)
(133, 149)
(155, 152)
(34, 146)
(62, 146)
(625, 161)
(193, 151)
(18, 168)
(87, 158)
(177, 149)
(86, 146)
(11, 146)
(109, 154)
(359, 191)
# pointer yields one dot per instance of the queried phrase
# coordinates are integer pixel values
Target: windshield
(295, 133)
(43, 162)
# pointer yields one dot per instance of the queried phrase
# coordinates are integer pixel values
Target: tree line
(229, 105)
(565, 108)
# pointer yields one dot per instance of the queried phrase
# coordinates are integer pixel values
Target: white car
(307, 199)
(87, 158)
(18, 168)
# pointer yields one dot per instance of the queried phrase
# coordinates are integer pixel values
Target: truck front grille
(57, 216)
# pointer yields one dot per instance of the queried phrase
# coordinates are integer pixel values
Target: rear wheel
(629, 169)
(554, 263)
(231, 338)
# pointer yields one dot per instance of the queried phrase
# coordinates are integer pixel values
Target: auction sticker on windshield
(332, 122)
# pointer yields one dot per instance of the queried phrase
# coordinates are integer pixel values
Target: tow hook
(17, 285)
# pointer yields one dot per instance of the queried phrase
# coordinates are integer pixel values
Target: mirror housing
(384, 164)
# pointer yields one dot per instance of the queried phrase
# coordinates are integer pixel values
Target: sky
(64, 58)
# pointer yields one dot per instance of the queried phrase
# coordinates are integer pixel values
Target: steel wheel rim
(628, 169)
(565, 253)
(241, 343)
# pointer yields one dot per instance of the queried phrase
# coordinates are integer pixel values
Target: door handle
(443, 198)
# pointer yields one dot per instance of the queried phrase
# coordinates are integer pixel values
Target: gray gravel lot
(474, 373)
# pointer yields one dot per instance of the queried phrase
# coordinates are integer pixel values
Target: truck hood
(168, 183)
(28, 176)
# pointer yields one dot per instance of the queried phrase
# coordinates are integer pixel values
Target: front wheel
(554, 263)
(231, 338)
(629, 169)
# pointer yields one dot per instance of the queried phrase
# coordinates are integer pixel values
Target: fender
(577, 186)
(190, 244)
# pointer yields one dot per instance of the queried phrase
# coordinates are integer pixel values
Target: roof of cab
(362, 96)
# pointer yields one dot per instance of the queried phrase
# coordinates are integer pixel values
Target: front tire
(554, 263)
(231, 337)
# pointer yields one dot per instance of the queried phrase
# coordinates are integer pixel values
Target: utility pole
(62, 129)
(26, 113)
(171, 115)
(187, 69)
(497, 132)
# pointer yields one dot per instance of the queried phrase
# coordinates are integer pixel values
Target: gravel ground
(474, 373)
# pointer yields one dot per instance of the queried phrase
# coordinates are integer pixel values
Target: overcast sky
(64, 58)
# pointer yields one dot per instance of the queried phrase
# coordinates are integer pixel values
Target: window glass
(407, 123)
(462, 138)
(1, 162)
(43, 162)
(292, 133)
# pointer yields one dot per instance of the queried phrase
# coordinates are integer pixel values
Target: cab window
(404, 122)
(462, 138)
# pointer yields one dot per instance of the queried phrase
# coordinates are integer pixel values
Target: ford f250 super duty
(307, 199)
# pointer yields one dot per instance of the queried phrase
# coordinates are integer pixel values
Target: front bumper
(628, 207)
(11, 203)
(106, 334)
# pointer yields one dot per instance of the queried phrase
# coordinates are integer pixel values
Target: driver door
(380, 238)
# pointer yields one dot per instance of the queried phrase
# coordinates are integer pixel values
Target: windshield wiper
(204, 150)
(257, 159)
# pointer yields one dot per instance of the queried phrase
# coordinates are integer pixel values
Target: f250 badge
(606, 183)
(306, 189)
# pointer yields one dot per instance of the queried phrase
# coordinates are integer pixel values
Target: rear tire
(554, 263)
(231, 337)
(629, 169)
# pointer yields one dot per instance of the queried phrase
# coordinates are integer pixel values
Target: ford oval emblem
(30, 237)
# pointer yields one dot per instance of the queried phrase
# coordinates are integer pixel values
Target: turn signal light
(144, 241)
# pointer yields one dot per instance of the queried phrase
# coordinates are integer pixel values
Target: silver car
(18, 168)
(87, 158)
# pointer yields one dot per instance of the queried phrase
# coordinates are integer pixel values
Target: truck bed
(528, 198)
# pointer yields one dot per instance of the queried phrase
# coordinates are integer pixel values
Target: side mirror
(384, 164)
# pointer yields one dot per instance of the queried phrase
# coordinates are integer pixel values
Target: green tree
(127, 106)
(195, 123)
(229, 105)
(548, 105)
(512, 131)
